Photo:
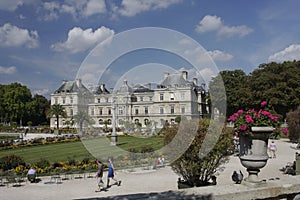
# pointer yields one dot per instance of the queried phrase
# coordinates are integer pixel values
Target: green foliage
(42, 163)
(293, 121)
(10, 161)
(57, 110)
(18, 105)
(195, 170)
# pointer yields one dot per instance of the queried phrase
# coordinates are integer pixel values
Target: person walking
(273, 149)
(99, 175)
(111, 173)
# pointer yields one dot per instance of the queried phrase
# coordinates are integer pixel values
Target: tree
(293, 121)
(82, 117)
(194, 170)
(57, 110)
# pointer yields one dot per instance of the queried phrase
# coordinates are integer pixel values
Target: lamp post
(114, 137)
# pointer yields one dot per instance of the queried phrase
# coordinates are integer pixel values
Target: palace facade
(175, 96)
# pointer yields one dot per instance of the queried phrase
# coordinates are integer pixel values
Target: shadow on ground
(173, 195)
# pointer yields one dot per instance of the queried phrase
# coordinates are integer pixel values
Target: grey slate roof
(71, 87)
(175, 80)
(141, 89)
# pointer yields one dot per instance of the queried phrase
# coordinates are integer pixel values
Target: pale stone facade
(175, 96)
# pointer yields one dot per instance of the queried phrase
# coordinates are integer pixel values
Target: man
(31, 175)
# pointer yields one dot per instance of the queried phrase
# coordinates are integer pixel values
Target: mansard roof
(125, 88)
(176, 79)
(141, 89)
(71, 87)
(101, 90)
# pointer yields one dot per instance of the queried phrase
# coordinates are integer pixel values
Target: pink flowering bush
(244, 120)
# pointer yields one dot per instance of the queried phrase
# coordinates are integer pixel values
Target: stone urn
(253, 151)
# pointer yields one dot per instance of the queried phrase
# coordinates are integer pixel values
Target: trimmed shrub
(11, 161)
(293, 121)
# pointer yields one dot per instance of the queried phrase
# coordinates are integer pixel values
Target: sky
(45, 42)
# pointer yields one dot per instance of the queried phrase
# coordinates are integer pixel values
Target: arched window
(136, 121)
(100, 121)
(146, 121)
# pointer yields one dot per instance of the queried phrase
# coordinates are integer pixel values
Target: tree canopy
(276, 83)
(19, 106)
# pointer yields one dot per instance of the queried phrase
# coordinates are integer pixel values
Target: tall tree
(57, 110)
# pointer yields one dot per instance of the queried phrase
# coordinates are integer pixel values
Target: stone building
(175, 96)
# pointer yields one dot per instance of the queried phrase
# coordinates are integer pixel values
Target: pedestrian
(111, 173)
(99, 175)
(273, 149)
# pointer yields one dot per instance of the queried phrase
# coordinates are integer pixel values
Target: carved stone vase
(253, 151)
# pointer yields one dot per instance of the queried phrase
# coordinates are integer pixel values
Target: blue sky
(44, 42)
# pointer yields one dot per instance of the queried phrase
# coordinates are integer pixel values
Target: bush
(293, 121)
(42, 163)
(195, 170)
(11, 161)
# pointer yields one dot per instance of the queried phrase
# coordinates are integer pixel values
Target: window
(99, 100)
(146, 110)
(63, 100)
(161, 97)
(141, 98)
(100, 121)
(161, 110)
(136, 111)
(172, 96)
(71, 112)
(182, 110)
(150, 98)
(120, 111)
(109, 111)
(146, 122)
(55, 100)
(136, 121)
(109, 121)
(100, 111)
(182, 95)
(106, 99)
(71, 100)
(172, 109)
(92, 111)
(172, 121)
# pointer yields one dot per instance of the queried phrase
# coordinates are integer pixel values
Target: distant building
(175, 96)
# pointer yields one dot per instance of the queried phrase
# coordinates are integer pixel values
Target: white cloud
(8, 70)
(12, 36)
(81, 40)
(12, 5)
(130, 8)
(214, 23)
(94, 7)
(288, 54)
(209, 23)
(218, 55)
(42, 92)
(76, 8)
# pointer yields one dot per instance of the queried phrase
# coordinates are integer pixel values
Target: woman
(99, 174)
(111, 173)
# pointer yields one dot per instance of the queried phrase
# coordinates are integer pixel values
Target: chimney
(166, 74)
(195, 80)
(203, 86)
(102, 87)
(185, 75)
(78, 82)
(148, 86)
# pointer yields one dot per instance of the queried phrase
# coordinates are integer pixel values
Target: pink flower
(249, 119)
(263, 104)
(266, 113)
(285, 131)
(243, 127)
(240, 112)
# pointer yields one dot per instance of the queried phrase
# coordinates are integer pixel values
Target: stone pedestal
(253, 151)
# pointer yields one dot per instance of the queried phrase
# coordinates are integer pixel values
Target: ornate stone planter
(253, 151)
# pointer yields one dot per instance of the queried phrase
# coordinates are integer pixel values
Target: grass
(96, 147)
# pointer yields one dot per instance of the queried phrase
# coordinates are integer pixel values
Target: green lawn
(97, 147)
